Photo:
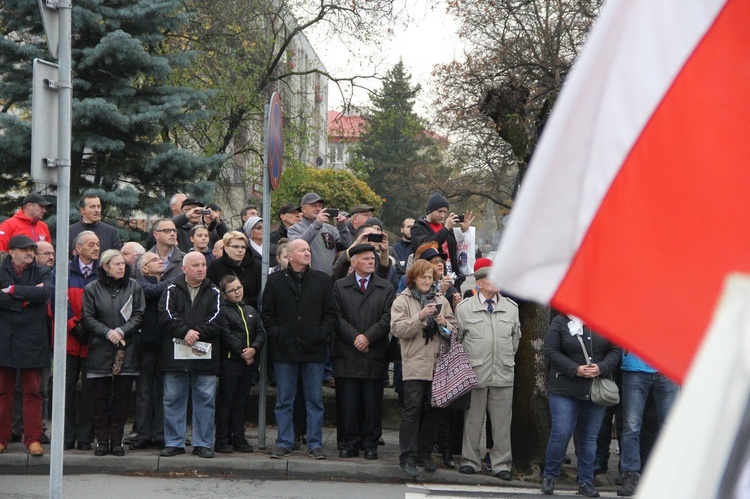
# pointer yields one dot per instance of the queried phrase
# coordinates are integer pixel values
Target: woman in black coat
(569, 390)
(113, 307)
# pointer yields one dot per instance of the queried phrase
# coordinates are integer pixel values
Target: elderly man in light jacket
(490, 331)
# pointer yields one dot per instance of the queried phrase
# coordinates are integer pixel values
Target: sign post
(272, 159)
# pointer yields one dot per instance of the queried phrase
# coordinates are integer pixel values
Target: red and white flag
(637, 201)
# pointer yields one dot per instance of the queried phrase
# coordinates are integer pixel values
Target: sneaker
(241, 444)
(548, 486)
(629, 484)
(280, 452)
(223, 447)
(409, 467)
(316, 453)
(587, 490)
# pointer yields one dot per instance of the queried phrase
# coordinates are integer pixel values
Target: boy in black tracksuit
(242, 338)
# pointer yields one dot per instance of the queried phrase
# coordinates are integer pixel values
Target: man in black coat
(437, 226)
(25, 288)
(299, 315)
(359, 346)
(189, 313)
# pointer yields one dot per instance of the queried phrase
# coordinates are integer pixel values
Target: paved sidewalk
(259, 465)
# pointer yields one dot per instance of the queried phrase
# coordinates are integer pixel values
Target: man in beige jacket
(490, 331)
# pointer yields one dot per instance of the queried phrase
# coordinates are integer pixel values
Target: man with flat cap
(359, 347)
(358, 215)
(289, 215)
(27, 220)
(25, 288)
(324, 239)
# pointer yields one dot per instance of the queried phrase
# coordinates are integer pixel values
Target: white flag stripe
(629, 62)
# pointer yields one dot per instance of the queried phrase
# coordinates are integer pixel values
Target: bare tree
(497, 99)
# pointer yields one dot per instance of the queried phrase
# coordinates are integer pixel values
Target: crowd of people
(181, 321)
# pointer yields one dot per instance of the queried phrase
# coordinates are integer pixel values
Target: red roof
(344, 128)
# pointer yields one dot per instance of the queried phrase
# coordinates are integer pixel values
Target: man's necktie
(362, 286)
(490, 305)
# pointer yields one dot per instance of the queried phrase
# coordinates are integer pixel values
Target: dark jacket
(24, 335)
(103, 302)
(76, 284)
(367, 313)
(241, 328)
(216, 231)
(299, 317)
(152, 333)
(564, 354)
(178, 315)
(108, 236)
(247, 271)
(421, 233)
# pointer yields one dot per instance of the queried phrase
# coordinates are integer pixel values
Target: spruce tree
(400, 159)
(125, 109)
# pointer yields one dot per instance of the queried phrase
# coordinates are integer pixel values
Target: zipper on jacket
(247, 332)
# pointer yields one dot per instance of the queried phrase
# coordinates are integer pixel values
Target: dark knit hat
(436, 202)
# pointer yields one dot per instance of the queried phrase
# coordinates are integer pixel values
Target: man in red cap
(27, 221)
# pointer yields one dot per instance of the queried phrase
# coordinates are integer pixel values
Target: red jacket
(21, 224)
(76, 283)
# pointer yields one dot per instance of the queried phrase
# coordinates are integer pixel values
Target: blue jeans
(569, 415)
(177, 386)
(635, 388)
(287, 374)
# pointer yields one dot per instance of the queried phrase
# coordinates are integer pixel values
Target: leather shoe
(140, 444)
(69, 445)
(116, 449)
(35, 449)
(426, 464)
(348, 452)
(371, 453)
(548, 486)
(203, 452)
(44, 439)
(84, 446)
(381, 441)
(467, 470)
(171, 451)
(504, 475)
(102, 449)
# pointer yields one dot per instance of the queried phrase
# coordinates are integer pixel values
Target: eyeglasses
(234, 290)
(236, 247)
(167, 231)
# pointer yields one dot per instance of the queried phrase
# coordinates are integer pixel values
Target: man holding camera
(324, 239)
(195, 213)
(437, 226)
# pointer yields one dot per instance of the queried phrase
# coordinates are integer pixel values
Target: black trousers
(420, 422)
(235, 381)
(355, 394)
(111, 397)
(149, 398)
(79, 421)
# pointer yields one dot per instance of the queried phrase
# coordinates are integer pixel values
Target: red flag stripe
(676, 220)
(633, 54)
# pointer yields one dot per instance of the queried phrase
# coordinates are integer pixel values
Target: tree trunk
(531, 419)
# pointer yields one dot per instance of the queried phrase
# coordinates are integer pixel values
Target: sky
(430, 38)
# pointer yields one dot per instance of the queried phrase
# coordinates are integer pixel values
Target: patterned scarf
(431, 329)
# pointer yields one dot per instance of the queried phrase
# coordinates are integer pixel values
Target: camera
(375, 238)
(204, 212)
(461, 218)
(452, 276)
(332, 212)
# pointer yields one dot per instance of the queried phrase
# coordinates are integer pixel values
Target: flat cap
(191, 202)
(21, 241)
(311, 198)
(36, 198)
(361, 208)
(361, 248)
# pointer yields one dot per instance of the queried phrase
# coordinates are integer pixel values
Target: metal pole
(263, 389)
(65, 92)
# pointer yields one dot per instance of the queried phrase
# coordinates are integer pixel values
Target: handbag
(453, 375)
(604, 391)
